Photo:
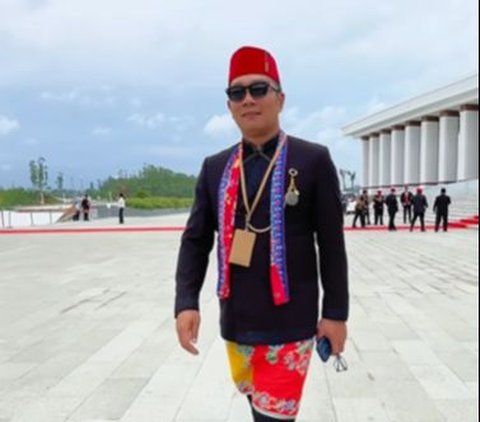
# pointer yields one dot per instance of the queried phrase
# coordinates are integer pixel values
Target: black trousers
(367, 217)
(120, 215)
(361, 215)
(421, 216)
(391, 220)
(379, 217)
(441, 218)
(407, 211)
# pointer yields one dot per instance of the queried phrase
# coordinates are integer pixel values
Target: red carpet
(81, 230)
(472, 221)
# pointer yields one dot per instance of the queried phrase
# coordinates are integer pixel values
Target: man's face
(257, 116)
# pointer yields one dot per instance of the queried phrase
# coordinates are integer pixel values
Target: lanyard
(251, 208)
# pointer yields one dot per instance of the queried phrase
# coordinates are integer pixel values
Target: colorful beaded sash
(227, 204)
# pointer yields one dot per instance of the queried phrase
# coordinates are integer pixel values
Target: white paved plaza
(87, 332)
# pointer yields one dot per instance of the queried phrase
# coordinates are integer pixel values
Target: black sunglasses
(237, 93)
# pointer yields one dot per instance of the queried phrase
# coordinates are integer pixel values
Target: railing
(10, 218)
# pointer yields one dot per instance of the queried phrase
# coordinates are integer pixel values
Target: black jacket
(440, 206)
(249, 315)
(378, 204)
(392, 203)
(420, 203)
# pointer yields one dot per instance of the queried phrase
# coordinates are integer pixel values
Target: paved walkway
(87, 334)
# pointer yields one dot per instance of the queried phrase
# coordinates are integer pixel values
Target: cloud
(221, 126)
(425, 35)
(174, 126)
(62, 97)
(30, 142)
(5, 167)
(136, 102)
(80, 38)
(319, 125)
(102, 131)
(149, 122)
(354, 56)
(375, 105)
(95, 97)
(324, 126)
(8, 125)
(180, 123)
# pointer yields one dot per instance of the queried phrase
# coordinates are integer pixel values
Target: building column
(429, 150)
(412, 152)
(398, 155)
(374, 154)
(365, 161)
(468, 143)
(448, 144)
(385, 157)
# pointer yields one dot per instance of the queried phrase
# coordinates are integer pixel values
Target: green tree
(150, 181)
(33, 173)
(39, 176)
(59, 181)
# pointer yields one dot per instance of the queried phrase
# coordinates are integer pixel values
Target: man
(420, 205)
(378, 205)
(359, 212)
(77, 209)
(440, 208)
(121, 208)
(392, 208)
(406, 200)
(85, 205)
(270, 198)
(366, 210)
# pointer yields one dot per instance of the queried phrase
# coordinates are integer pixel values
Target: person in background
(121, 208)
(392, 208)
(270, 198)
(440, 208)
(359, 212)
(77, 209)
(366, 208)
(406, 200)
(85, 205)
(420, 205)
(378, 207)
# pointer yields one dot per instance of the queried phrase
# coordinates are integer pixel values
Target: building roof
(449, 97)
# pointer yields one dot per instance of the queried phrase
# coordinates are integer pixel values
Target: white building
(428, 140)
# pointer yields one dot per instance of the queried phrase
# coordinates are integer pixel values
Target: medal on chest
(292, 196)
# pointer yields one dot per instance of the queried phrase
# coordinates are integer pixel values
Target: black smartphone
(324, 348)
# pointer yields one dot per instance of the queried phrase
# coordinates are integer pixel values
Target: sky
(99, 87)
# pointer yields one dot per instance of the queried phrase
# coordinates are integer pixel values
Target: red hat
(252, 60)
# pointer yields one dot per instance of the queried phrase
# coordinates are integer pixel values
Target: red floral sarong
(273, 375)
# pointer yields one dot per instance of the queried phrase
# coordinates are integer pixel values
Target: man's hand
(335, 331)
(188, 323)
